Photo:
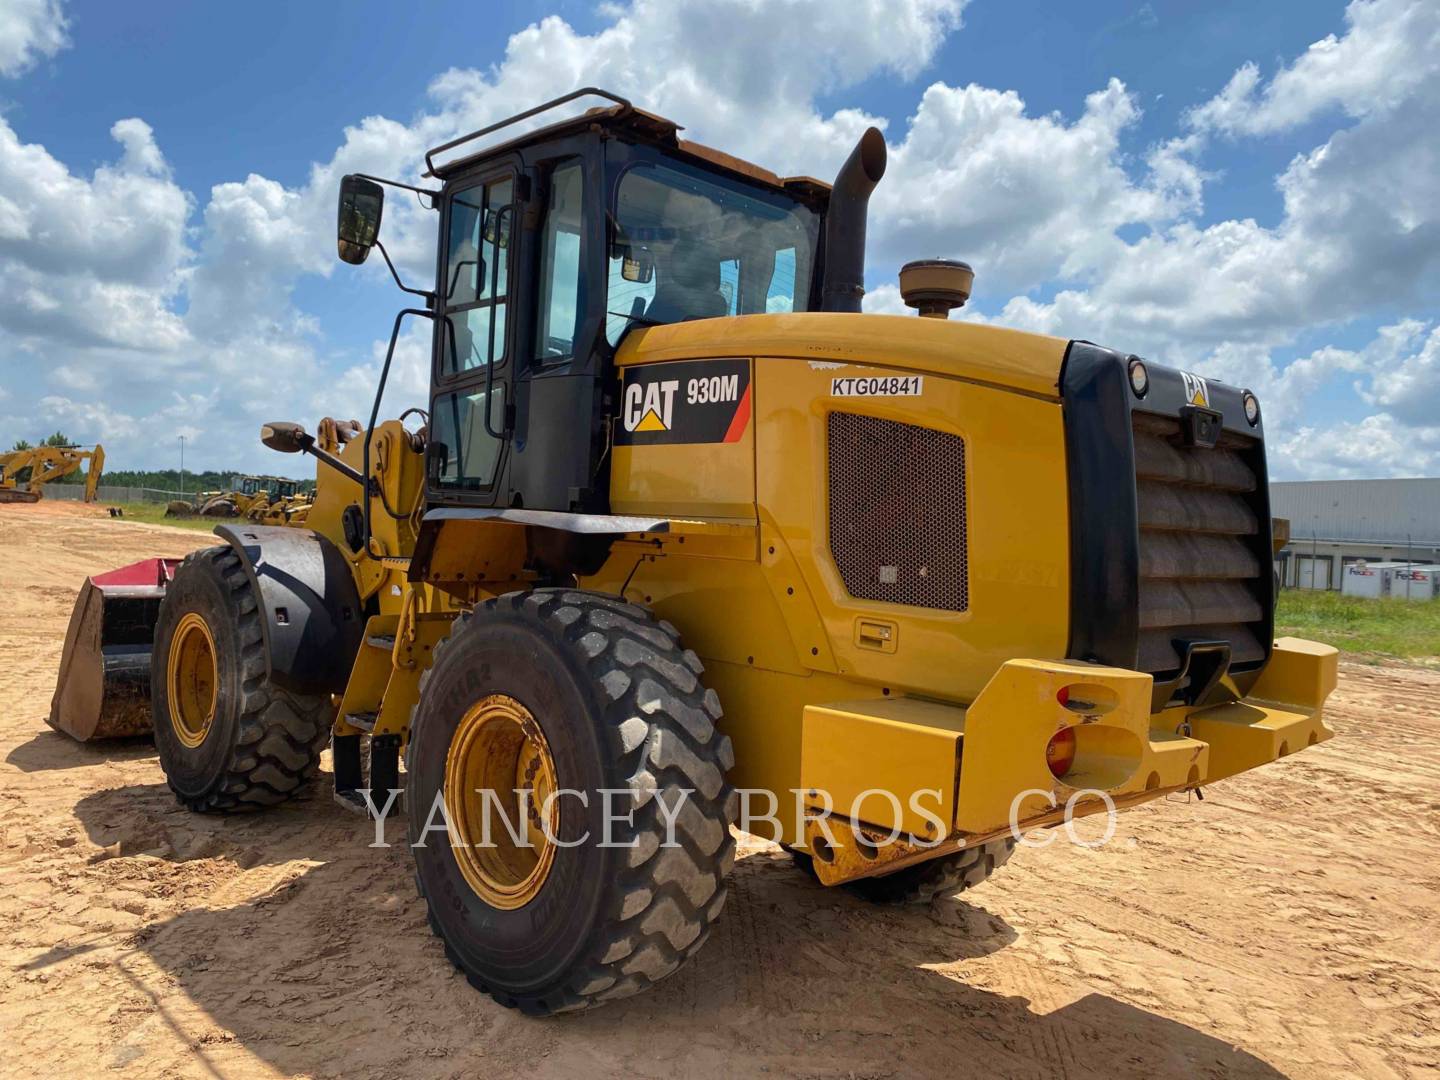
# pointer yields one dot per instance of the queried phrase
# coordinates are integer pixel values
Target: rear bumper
(986, 764)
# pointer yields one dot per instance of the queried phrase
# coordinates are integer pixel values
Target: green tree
(21, 444)
(58, 439)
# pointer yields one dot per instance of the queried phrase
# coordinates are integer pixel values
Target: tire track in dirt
(1283, 927)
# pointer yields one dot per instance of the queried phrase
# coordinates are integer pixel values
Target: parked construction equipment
(269, 500)
(947, 579)
(43, 464)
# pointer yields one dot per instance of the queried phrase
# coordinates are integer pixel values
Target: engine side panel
(752, 581)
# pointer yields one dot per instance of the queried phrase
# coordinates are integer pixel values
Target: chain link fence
(112, 494)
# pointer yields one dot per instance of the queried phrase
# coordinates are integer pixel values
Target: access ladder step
(365, 721)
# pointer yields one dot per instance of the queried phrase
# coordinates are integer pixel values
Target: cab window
(687, 244)
(560, 264)
(475, 287)
(471, 453)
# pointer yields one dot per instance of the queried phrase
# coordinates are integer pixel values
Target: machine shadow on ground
(49, 750)
(305, 954)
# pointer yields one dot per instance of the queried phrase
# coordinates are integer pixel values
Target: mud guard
(311, 616)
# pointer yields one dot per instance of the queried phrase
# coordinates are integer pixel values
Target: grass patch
(154, 514)
(1398, 629)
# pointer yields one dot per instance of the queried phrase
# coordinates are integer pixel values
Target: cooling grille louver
(897, 512)
(1200, 566)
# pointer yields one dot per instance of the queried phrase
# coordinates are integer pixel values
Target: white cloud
(1408, 386)
(1025, 198)
(92, 261)
(1376, 446)
(30, 30)
(1390, 49)
(241, 352)
(1359, 232)
(137, 317)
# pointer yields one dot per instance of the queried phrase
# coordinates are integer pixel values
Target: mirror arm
(307, 446)
(433, 196)
(429, 296)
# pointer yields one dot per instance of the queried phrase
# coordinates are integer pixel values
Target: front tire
(229, 738)
(601, 696)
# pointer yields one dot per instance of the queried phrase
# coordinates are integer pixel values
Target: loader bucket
(104, 687)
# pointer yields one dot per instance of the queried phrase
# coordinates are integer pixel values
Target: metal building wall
(1379, 511)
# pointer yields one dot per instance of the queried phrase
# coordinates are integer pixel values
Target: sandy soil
(1283, 927)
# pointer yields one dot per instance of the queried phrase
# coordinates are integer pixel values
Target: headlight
(1252, 408)
(1139, 377)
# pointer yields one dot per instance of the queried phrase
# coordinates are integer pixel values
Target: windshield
(689, 245)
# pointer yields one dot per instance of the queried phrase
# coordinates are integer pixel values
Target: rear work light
(1060, 752)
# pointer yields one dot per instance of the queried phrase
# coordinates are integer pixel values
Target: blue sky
(1252, 191)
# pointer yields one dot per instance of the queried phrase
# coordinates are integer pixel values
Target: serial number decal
(685, 401)
(878, 386)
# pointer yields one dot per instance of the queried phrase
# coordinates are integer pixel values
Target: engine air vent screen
(897, 512)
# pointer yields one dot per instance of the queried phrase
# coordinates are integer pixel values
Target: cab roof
(625, 119)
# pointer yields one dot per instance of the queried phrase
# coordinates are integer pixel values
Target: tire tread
(663, 901)
(282, 734)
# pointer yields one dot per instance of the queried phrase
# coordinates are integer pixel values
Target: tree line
(159, 479)
(169, 479)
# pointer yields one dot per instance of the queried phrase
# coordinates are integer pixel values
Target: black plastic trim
(1104, 517)
(312, 620)
(1097, 400)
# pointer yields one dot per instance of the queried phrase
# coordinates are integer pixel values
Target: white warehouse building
(1334, 523)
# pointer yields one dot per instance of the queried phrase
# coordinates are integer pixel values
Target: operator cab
(553, 246)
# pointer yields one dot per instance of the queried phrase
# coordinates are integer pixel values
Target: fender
(311, 616)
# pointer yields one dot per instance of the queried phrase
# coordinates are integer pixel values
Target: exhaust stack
(844, 281)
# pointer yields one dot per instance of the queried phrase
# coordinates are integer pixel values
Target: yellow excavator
(45, 464)
(684, 540)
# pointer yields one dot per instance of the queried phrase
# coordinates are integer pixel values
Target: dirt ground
(1285, 926)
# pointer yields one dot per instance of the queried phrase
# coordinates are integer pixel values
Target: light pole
(182, 466)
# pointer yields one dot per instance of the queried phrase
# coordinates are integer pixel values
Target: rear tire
(620, 705)
(260, 744)
(218, 507)
(946, 876)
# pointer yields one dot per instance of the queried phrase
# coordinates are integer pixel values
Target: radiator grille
(1200, 567)
(897, 512)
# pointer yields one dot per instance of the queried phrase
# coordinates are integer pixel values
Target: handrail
(584, 91)
(504, 432)
(368, 485)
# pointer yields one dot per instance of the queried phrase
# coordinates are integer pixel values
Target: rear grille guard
(1170, 544)
(897, 512)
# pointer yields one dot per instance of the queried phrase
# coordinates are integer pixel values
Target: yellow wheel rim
(499, 767)
(193, 679)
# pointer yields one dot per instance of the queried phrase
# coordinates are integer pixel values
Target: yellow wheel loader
(44, 464)
(269, 500)
(685, 540)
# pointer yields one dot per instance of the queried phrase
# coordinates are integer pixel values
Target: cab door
(473, 353)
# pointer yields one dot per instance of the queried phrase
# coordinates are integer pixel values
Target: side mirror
(637, 264)
(497, 227)
(361, 204)
(284, 436)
